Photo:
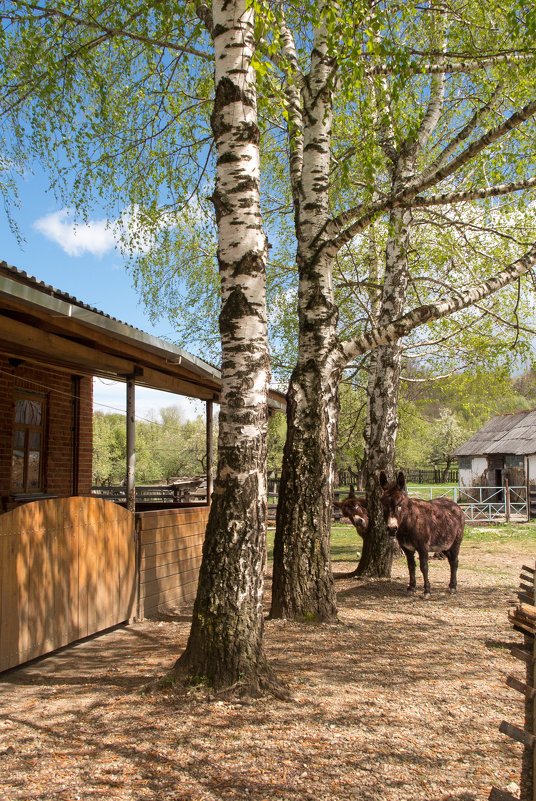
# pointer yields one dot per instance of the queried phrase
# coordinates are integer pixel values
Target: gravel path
(400, 700)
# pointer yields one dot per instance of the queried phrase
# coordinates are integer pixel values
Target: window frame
(28, 429)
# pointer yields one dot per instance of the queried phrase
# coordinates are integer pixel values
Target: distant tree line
(165, 447)
(436, 416)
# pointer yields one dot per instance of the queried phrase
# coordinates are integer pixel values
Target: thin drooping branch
(450, 198)
(111, 32)
(435, 311)
(465, 65)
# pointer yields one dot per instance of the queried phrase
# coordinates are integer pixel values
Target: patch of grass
(520, 532)
(345, 541)
(437, 490)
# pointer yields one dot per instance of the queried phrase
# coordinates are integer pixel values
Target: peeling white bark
(226, 639)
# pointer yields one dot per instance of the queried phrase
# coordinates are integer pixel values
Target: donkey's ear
(351, 493)
(401, 480)
(383, 479)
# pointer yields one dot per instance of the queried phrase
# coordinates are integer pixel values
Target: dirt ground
(400, 700)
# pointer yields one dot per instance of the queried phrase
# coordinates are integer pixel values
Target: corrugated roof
(32, 293)
(507, 433)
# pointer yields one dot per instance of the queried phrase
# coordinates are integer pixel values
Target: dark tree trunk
(380, 439)
(378, 547)
(226, 640)
(302, 586)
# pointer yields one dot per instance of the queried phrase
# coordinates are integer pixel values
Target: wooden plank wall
(171, 543)
(67, 570)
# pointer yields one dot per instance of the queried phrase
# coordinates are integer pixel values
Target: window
(28, 442)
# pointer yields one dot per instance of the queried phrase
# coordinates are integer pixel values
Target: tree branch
(112, 32)
(436, 311)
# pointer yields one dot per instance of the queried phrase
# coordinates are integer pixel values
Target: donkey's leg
(452, 556)
(423, 564)
(410, 558)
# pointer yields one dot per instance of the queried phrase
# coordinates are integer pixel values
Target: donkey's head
(355, 509)
(393, 501)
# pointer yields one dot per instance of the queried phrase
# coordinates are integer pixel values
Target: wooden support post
(527, 487)
(507, 499)
(210, 442)
(131, 443)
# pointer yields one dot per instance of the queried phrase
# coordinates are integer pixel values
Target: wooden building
(72, 564)
(503, 449)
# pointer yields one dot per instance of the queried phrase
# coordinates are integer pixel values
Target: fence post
(507, 500)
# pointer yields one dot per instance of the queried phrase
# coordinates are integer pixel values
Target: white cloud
(96, 237)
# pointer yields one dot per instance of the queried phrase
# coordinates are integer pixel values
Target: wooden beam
(520, 687)
(521, 623)
(23, 340)
(517, 734)
(179, 386)
(521, 653)
(131, 444)
(103, 340)
(528, 610)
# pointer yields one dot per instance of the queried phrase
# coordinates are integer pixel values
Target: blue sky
(84, 263)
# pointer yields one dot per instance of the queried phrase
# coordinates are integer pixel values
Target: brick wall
(63, 477)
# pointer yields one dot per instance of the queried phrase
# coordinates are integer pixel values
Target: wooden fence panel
(171, 542)
(67, 569)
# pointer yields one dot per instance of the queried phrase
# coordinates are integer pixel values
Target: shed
(72, 564)
(504, 448)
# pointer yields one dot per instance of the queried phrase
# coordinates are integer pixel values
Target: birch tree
(424, 158)
(116, 100)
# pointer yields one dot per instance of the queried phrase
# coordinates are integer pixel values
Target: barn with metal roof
(504, 448)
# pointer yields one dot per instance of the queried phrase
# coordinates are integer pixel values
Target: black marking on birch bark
(250, 263)
(248, 132)
(315, 146)
(221, 204)
(218, 30)
(228, 92)
(234, 309)
(244, 185)
(228, 158)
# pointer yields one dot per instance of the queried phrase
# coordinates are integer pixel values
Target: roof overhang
(39, 326)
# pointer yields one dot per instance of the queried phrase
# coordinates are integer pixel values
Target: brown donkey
(422, 526)
(355, 509)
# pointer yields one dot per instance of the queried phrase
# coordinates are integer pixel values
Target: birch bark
(302, 585)
(225, 645)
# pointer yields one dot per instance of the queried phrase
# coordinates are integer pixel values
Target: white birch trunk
(226, 638)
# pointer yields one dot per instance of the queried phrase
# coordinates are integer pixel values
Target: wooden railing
(523, 619)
